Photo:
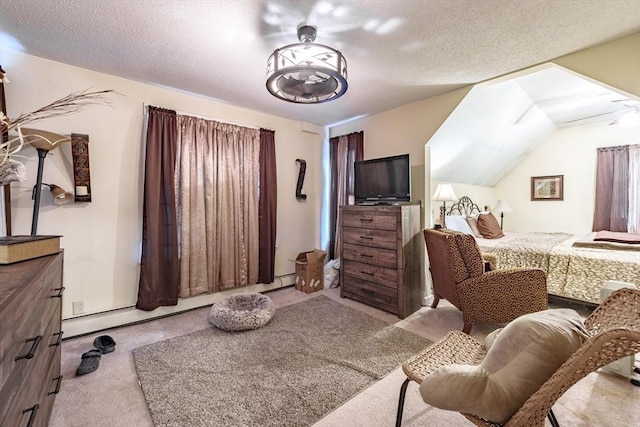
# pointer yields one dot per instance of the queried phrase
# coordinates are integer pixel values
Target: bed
(577, 266)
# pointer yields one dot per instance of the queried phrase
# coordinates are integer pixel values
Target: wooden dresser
(380, 263)
(30, 336)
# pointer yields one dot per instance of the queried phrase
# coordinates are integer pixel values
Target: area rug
(312, 357)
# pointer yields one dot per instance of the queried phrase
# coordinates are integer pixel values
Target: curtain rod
(200, 116)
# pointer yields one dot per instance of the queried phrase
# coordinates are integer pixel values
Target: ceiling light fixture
(306, 72)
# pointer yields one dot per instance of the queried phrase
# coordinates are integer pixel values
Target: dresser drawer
(30, 305)
(382, 257)
(49, 390)
(377, 221)
(371, 273)
(371, 294)
(27, 377)
(25, 328)
(24, 385)
(370, 237)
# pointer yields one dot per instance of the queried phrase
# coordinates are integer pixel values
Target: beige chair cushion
(520, 358)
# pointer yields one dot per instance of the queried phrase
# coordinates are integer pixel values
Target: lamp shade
(502, 206)
(60, 197)
(444, 193)
(41, 139)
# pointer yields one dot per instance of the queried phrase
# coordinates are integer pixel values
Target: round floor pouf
(241, 312)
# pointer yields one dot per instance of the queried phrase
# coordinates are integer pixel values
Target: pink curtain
(633, 224)
(344, 151)
(612, 189)
(217, 197)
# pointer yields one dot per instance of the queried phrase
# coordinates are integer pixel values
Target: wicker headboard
(464, 206)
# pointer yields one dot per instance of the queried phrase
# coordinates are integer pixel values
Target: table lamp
(502, 207)
(444, 193)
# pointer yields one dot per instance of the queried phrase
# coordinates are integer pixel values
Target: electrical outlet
(78, 307)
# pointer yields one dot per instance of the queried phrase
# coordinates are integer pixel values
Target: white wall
(101, 239)
(570, 152)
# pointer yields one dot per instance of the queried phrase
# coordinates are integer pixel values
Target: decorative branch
(66, 105)
(70, 104)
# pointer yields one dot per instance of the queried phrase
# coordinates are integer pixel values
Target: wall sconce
(444, 193)
(502, 207)
(60, 197)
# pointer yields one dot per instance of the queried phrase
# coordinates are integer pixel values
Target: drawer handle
(59, 294)
(57, 343)
(366, 255)
(366, 219)
(57, 390)
(367, 273)
(366, 237)
(32, 350)
(34, 411)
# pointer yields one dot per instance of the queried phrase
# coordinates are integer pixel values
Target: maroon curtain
(267, 207)
(354, 153)
(159, 265)
(5, 138)
(612, 189)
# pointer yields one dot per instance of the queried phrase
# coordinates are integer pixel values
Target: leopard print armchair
(457, 273)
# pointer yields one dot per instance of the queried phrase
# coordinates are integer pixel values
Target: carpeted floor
(111, 396)
(312, 357)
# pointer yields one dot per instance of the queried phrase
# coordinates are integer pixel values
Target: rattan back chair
(614, 330)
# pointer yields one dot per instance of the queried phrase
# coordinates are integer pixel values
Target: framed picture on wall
(547, 187)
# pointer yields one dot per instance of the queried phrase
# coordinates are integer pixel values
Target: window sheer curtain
(617, 189)
(217, 197)
(344, 151)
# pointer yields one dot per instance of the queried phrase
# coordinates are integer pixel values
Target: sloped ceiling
(499, 123)
(397, 51)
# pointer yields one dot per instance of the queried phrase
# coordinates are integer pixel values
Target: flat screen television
(382, 181)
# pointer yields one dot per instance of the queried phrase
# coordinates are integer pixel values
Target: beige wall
(570, 152)
(101, 239)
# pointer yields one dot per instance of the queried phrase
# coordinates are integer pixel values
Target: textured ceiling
(397, 51)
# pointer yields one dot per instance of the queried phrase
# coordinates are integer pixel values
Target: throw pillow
(489, 227)
(520, 358)
(473, 223)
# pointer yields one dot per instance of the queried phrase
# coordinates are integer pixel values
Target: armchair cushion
(470, 254)
(520, 358)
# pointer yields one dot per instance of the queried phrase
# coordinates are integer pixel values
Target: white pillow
(457, 223)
